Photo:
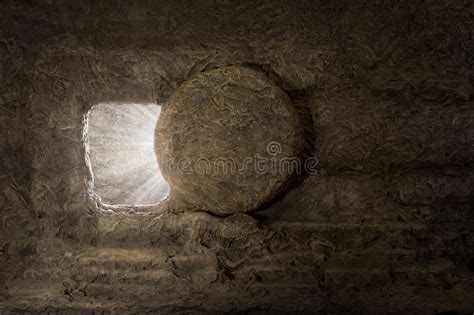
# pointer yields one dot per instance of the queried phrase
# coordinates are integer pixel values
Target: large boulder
(227, 139)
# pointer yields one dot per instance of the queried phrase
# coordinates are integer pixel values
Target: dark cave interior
(378, 95)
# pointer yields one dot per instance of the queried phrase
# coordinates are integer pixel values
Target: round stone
(227, 139)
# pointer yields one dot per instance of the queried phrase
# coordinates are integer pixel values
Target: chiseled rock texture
(225, 140)
(383, 92)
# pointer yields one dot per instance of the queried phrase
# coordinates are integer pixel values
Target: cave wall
(384, 90)
(16, 214)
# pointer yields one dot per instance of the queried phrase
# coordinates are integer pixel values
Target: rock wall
(17, 227)
(385, 93)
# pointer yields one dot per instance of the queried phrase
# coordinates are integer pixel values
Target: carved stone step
(263, 282)
(172, 231)
(364, 272)
(130, 266)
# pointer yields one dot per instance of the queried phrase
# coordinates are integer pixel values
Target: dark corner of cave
(236, 157)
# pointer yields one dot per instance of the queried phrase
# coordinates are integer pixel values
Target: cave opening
(120, 153)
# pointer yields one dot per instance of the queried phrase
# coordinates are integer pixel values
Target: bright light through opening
(122, 156)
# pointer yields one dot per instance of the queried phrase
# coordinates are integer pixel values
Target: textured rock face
(385, 226)
(225, 139)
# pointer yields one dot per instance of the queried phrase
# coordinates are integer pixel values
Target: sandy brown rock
(224, 139)
(386, 226)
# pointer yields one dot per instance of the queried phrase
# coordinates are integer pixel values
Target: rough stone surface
(384, 90)
(225, 139)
